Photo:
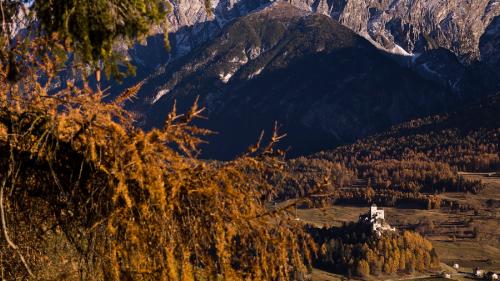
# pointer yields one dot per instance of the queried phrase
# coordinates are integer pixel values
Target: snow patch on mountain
(159, 95)
(400, 51)
(225, 77)
(256, 73)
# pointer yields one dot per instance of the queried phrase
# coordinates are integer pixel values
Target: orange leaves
(168, 215)
(128, 94)
(179, 131)
(352, 247)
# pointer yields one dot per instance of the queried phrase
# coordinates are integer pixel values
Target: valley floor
(469, 238)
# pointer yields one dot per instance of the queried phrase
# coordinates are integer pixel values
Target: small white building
(456, 266)
(478, 272)
(491, 276)
(445, 275)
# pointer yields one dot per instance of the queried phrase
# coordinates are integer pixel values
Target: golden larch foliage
(136, 205)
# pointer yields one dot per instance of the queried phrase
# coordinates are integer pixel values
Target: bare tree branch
(4, 227)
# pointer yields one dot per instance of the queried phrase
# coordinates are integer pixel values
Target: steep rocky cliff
(416, 25)
(401, 26)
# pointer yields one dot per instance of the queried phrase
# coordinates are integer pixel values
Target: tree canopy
(90, 30)
(121, 203)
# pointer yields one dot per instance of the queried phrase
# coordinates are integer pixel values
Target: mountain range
(329, 72)
(401, 26)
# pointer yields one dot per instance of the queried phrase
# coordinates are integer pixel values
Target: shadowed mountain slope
(467, 139)
(325, 84)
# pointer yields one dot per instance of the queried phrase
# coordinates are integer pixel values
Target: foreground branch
(4, 229)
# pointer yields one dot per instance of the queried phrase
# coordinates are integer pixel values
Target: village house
(491, 276)
(478, 272)
(445, 275)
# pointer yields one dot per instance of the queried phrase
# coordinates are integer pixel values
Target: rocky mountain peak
(399, 26)
(420, 25)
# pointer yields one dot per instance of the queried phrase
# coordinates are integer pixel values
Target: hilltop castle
(376, 217)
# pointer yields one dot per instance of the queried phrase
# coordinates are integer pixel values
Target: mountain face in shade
(482, 78)
(490, 44)
(324, 83)
(467, 139)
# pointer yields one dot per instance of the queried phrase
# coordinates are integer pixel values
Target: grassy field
(319, 275)
(431, 279)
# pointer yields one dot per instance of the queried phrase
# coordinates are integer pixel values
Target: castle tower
(376, 218)
(376, 213)
(373, 210)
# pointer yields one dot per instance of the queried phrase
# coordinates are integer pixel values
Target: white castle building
(376, 217)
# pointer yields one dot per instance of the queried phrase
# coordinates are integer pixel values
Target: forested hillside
(407, 165)
(467, 140)
(354, 250)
